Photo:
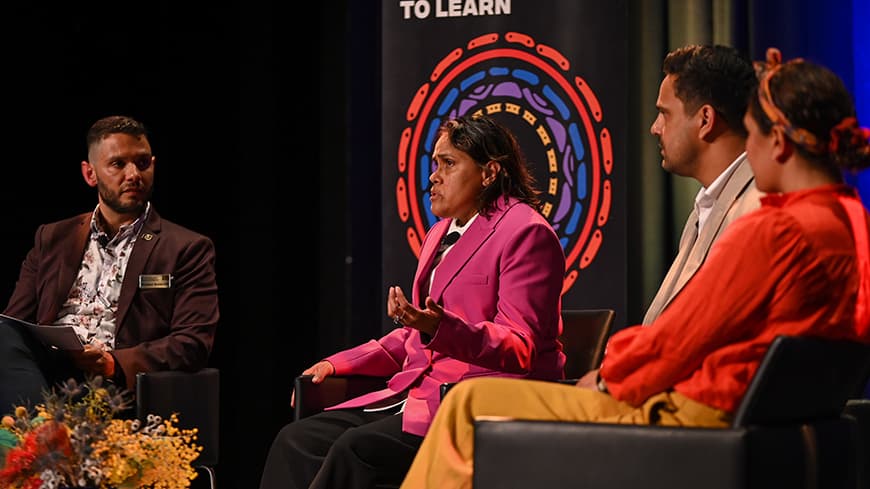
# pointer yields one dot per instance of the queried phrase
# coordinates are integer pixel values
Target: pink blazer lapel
(427, 257)
(473, 238)
(459, 255)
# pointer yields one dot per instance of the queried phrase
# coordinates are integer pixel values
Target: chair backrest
(195, 396)
(803, 379)
(584, 336)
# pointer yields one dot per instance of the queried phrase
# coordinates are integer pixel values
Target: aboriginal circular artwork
(556, 117)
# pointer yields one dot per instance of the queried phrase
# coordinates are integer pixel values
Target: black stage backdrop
(556, 73)
(205, 78)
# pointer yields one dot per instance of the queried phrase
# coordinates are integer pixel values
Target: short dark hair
(114, 124)
(486, 140)
(716, 75)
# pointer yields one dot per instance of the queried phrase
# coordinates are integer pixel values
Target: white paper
(57, 337)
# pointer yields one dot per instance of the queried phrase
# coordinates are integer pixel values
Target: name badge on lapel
(161, 281)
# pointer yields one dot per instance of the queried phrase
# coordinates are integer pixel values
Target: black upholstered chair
(584, 335)
(859, 410)
(195, 396)
(790, 431)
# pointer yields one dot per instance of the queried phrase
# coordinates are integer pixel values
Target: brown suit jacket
(158, 328)
(739, 196)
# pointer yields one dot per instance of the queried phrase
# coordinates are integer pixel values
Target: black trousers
(343, 449)
(27, 367)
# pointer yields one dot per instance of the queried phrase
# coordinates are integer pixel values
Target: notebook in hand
(57, 337)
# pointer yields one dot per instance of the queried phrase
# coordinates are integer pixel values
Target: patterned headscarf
(847, 129)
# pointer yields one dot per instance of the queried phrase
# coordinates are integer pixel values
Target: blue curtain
(830, 32)
(861, 86)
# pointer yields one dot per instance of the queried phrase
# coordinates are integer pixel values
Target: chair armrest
(445, 388)
(312, 398)
(522, 454)
(859, 409)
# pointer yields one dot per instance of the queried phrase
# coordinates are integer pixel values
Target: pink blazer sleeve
(383, 357)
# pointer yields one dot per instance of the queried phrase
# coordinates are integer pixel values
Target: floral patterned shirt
(93, 299)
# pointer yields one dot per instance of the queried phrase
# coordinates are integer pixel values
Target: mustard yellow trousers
(445, 458)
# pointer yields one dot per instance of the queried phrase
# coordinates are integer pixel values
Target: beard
(113, 199)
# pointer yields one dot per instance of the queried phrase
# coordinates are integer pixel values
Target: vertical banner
(555, 73)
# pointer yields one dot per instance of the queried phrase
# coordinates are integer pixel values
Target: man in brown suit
(700, 130)
(139, 291)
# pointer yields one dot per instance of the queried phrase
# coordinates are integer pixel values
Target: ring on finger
(396, 319)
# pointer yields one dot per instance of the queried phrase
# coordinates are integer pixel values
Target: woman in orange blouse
(792, 267)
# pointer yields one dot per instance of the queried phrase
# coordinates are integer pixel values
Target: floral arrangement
(74, 440)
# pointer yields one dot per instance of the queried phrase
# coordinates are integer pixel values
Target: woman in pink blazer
(486, 301)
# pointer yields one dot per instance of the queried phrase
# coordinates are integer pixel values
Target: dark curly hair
(819, 114)
(716, 75)
(485, 140)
